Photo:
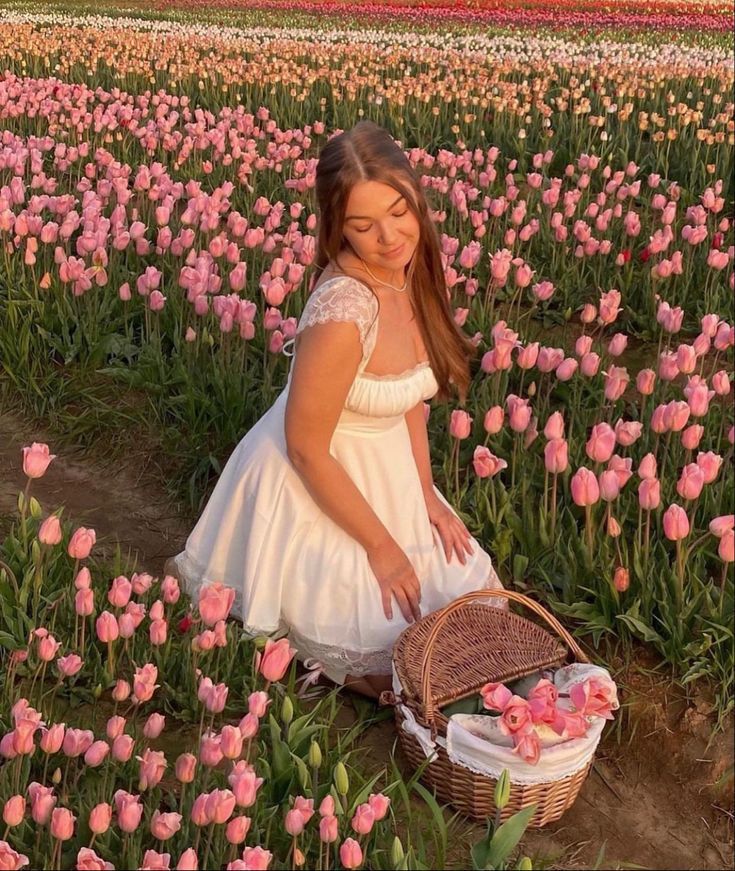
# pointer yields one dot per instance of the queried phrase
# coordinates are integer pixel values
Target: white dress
(293, 568)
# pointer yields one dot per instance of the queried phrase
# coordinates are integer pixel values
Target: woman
(325, 519)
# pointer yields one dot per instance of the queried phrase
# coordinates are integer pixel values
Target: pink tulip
(107, 628)
(380, 805)
(121, 691)
(722, 524)
(88, 860)
(566, 369)
(528, 356)
(676, 523)
(210, 750)
(231, 741)
(583, 345)
(154, 726)
(556, 456)
(256, 858)
(100, 818)
(77, 742)
(215, 603)
(589, 313)
(326, 807)
(328, 829)
(721, 383)
(676, 415)
(81, 543)
(14, 810)
(493, 420)
(628, 432)
(275, 659)
(165, 825)
(36, 460)
(691, 436)
(595, 697)
(42, 802)
(585, 488)
(709, 463)
(519, 413)
(617, 344)
(616, 382)
(294, 823)
(144, 682)
(186, 767)
(237, 829)
(554, 428)
(62, 824)
(647, 467)
(645, 382)
(49, 533)
(516, 718)
(613, 527)
(69, 665)
(485, 463)
(152, 767)
(589, 364)
(188, 861)
(120, 592)
(220, 805)
(52, 738)
(495, 696)
(601, 443)
(96, 753)
(363, 820)
(350, 853)
(528, 747)
(460, 425)
(48, 647)
(122, 748)
(686, 359)
(609, 486)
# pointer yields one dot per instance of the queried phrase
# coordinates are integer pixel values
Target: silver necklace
(384, 283)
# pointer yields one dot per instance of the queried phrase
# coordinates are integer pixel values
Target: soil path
(658, 798)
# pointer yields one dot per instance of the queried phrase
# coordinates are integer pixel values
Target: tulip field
(157, 232)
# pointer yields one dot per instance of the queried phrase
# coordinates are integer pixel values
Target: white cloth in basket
(493, 752)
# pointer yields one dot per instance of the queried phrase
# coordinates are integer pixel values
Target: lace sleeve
(341, 299)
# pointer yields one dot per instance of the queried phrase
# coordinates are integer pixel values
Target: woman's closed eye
(395, 215)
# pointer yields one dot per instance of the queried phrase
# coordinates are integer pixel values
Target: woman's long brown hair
(368, 152)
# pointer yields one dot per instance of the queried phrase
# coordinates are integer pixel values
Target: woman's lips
(395, 252)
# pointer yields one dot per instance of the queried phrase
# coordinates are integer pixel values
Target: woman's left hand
(453, 533)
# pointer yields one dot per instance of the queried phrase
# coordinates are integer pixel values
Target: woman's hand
(396, 578)
(453, 533)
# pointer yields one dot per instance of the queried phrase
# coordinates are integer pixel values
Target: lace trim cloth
(341, 299)
(335, 662)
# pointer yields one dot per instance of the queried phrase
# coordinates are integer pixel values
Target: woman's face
(380, 226)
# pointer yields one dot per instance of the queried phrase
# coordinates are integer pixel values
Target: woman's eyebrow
(368, 218)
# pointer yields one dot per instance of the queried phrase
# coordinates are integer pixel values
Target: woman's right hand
(396, 578)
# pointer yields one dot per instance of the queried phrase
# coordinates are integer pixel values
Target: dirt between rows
(660, 792)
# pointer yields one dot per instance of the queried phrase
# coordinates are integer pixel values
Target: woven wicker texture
(449, 655)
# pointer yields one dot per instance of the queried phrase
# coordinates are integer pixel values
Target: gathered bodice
(386, 398)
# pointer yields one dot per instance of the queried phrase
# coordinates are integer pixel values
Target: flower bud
(315, 755)
(287, 711)
(341, 780)
(502, 790)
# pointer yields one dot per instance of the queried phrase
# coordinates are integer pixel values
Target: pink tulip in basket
(479, 690)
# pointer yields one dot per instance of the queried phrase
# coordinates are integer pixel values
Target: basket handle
(532, 605)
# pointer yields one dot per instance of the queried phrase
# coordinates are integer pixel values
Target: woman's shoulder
(340, 297)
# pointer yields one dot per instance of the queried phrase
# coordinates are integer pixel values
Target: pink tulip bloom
(566, 369)
(62, 824)
(556, 456)
(528, 356)
(213, 697)
(609, 485)
(601, 443)
(691, 436)
(722, 524)
(363, 820)
(617, 344)
(294, 823)
(14, 810)
(210, 750)
(519, 413)
(231, 741)
(77, 742)
(165, 825)
(686, 359)
(48, 647)
(647, 467)
(668, 367)
(49, 532)
(81, 543)
(220, 805)
(52, 738)
(328, 829)
(495, 696)
(152, 768)
(215, 603)
(275, 659)
(554, 428)
(36, 460)
(96, 753)
(516, 717)
(720, 383)
(493, 420)
(100, 818)
(200, 812)
(122, 748)
(585, 488)
(676, 523)
(583, 346)
(107, 628)
(144, 682)
(350, 853)
(589, 364)
(726, 547)
(709, 463)
(549, 358)
(120, 592)
(186, 767)
(10, 858)
(460, 425)
(616, 382)
(88, 860)
(43, 801)
(154, 726)
(645, 382)
(69, 665)
(628, 432)
(595, 697)
(486, 464)
(589, 313)
(676, 415)
(528, 747)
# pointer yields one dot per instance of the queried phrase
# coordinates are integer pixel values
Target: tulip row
(243, 789)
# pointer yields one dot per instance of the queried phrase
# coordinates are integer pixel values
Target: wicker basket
(450, 655)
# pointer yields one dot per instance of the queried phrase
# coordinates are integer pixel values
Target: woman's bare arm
(324, 369)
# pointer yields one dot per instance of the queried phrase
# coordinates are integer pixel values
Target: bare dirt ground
(660, 793)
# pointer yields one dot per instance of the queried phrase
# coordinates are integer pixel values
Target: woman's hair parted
(368, 152)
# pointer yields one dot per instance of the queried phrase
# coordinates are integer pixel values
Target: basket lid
(475, 645)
